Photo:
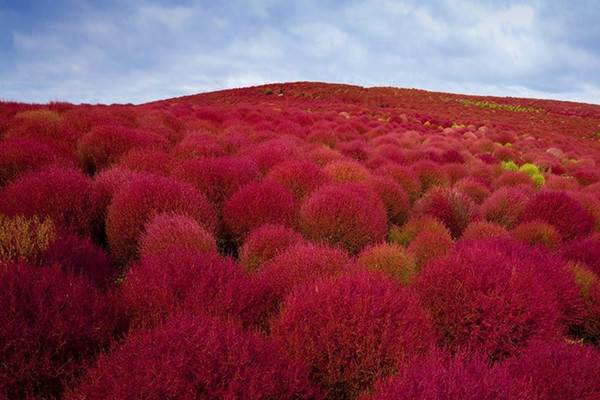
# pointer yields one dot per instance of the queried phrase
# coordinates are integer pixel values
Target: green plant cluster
(497, 106)
(530, 169)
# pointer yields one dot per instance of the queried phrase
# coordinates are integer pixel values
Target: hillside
(301, 241)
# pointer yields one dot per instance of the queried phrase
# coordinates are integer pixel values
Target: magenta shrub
(558, 370)
(347, 214)
(188, 279)
(171, 230)
(504, 207)
(53, 323)
(265, 242)
(586, 251)
(394, 197)
(463, 377)
(298, 176)
(195, 357)
(65, 195)
(352, 331)
(559, 210)
(219, 177)
(491, 296)
(256, 204)
(141, 199)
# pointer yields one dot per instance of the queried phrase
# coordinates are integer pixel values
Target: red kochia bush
(298, 176)
(80, 256)
(560, 210)
(52, 322)
(187, 279)
(464, 377)
(300, 264)
(256, 204)
(558, 370)
(452, 207)
(491, 296)
(195, 357)
(391, 259)
(65, 195)
(19, 155)
(265, 242)
(174, 230)
(504, 207)
(586, 251)
(141, 199)
(352, 331)
(394, 197)
(537, 232)
(348, 214)
(218, 178)
(105, 144)
(484, 230)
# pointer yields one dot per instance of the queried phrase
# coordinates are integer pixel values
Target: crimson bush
(265, 242)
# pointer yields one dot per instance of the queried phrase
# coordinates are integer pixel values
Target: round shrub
(141, 199)
(394, 197)
(586, 251)
(347, 214)
(20, 155)
(492, 297)
(464, 377)
(103, 145)
(484, 230)
(428, 245)
(344, 171)
(537, 232)
(265, 242)
(52, 323)
(558, 209)
(475, 190)
(406, 233)
(197, 144)
(195, 357)
(405, 176)
(147, 160)
(450, 206)
(430, 174)
(185, 279)
(169, 230)
(80, 256)
(504, 207)
(352, 331)
(391, 259)
(219, 177)
(557, 370)
(37, 123)
(298, 176)
(513, 179)
(256, 204)
(300, 264)
(65, 195)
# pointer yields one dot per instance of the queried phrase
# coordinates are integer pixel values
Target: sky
(135, 51)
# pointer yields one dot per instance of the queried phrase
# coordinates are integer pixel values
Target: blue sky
(142, 50)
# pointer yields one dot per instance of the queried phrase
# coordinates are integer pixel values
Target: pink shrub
(475, 190)
(147, 160)
(299, 177)
(79, 255)
(348, 214)
(196, 145)
(404, 176)
(504, 207)
(65, 195)
(171, 230)
(345, 171)
(105, 144)
(265, 242)
(430, 174)
(391, 259)
(299, 265)
(352, 331)
(452, 207)
(187, 279)
(589, 287)
(141, 199)
(491, 297)
(256, 204)
(559, 210)
(558, 370)
(21, 155)
(429, 245)
(464, 377)
(586, 251)
(195, 357)
(218, 178)
(52, 324)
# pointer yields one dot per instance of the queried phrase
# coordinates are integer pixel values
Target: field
(301, 241)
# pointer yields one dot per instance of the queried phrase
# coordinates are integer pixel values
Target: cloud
(110, 52)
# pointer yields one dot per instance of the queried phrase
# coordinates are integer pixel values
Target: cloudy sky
(140, 50)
